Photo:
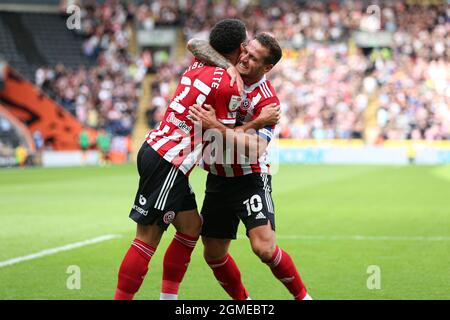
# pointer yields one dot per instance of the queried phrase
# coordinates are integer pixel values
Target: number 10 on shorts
(254, 204)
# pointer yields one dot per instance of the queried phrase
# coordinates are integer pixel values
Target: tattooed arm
(206, 54)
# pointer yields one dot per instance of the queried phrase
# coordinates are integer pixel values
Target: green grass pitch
(401, 213)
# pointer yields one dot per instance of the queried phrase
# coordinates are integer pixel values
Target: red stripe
(220, 170)
(206, 167)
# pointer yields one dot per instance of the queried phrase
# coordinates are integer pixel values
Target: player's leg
(150, 213)
(134, 265)
(279, 261)
(188, 224)
(224, 267)
(260, 224)
(220, 225)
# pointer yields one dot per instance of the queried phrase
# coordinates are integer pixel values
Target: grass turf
(47, 208)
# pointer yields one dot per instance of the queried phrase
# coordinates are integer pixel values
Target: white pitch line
(357, 238)
(51, 251)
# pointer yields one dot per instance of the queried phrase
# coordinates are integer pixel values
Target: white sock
(307, 297)
(168, 296)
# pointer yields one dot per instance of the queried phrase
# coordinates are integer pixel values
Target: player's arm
(203, 51)
(269, 116)
(250, 144)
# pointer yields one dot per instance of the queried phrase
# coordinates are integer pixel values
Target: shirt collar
(252, 87)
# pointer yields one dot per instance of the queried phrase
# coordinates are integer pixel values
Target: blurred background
(82, 81)
(364, 88)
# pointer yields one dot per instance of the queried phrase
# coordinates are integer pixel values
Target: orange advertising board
(59, 128)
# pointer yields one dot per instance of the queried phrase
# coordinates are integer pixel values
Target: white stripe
(256, 99)
(263, 91)
(139, 248)
(158, 132)
(267, 89)
(172, 153)
(266, 132)
(212, 169)
(176, 106)
(203, 87)
(174, 137)
(186, 81)
(168, 296)
(271, 202)
(246, 170)
(229, 172)
(218, 264)
(185, 242)
(227, 121)
(158, 200)
(262, 164)
(168, 190)
(160, 143)
(143, 248)
(356, 238)
(201, 164)
(163, 189)
(67, 247)
(267, 194)
(191, 159)
(277, 259)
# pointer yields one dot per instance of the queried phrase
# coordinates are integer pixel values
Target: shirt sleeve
(228, 101)
(268, 131)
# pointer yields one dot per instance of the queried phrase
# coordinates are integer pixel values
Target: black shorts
(229, 200)
(163, 190)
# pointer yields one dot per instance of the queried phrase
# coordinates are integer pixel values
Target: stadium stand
(15, 140)
(333, 87)
(31, 40)
(393, 85)
(2, 73)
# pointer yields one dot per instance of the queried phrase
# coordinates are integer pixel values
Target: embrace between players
(238, 188)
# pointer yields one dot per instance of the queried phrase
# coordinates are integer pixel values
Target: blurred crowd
(325, 82)
(105, 95)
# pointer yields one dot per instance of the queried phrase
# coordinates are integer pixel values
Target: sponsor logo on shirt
(179, 123)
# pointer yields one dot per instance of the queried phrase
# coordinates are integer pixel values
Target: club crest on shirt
(246, 103)
(168, 217)
(235, 102)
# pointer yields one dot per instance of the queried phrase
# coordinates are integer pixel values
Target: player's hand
(270, 115)
(236, 77)
(206, 115)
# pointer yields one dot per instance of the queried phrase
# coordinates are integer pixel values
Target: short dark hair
(227, 35)
(268, 41)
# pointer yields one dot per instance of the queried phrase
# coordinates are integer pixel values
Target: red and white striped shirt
(257, 96)
(177, 139)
